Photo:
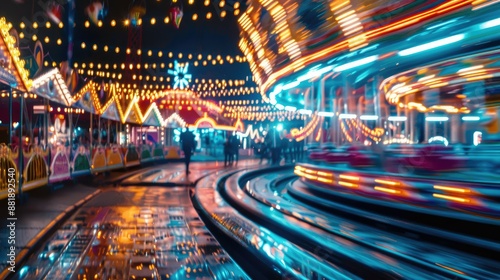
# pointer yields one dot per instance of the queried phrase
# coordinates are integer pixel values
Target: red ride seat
(337, 157)
(359, 156)
(434, 158)
(318, 155)
(362, 159)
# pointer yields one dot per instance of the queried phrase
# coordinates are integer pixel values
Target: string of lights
(235, 92)
(261, 116)
(205, 87)
(153, 21)
(218, 58)
(15, 94)
(153, 92)
(216, 83)
(238, 108)
(241, 102)
(198, 60)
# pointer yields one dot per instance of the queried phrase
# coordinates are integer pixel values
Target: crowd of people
(231, 150)
(274, 148)
(289, 150)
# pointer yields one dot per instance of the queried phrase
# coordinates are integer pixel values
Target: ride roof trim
(17, 67)
(88, 99)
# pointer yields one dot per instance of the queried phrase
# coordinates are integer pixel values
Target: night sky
(217, 36)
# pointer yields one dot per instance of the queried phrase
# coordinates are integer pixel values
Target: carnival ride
(386, 87)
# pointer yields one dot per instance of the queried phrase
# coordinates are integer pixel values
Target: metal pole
(46, 129)
(91, 133)
(10, 115)
(46, 122)
(70, 117)
(21, 154)
(109, 131)
(99, 130)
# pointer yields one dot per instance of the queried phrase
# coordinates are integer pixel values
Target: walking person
(264, 152)
(235, 147)
(285, 148)
(227, 153)
(188, 143)
(207, 144)
(293, 149)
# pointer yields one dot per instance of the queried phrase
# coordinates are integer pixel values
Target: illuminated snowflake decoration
(181, 76)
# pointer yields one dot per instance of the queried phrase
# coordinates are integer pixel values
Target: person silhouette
(188, 145)
(228, 153)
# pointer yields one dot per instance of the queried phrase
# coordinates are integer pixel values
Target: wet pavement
(174, 174)
(45, 209)
(133, 233)
(37, 214)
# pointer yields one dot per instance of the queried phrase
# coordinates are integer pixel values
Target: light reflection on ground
(133, 233)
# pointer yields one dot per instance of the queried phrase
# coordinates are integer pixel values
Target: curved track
(362, 243)
(278, 228)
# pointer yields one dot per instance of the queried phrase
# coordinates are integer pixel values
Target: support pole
(70, 117)
(46, 117)
(21, 150)
(99, 130)
(91, 133)
(427, 129)
(141, 141)
(109, 132)
(10, 116)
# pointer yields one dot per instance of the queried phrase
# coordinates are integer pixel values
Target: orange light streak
(387, 182)
(347, 184)
(452, 189)
(325, 180)
(311, 177)
(452, 198)
(382, 189)
(449, 268)
(325, 174)
(349, 177)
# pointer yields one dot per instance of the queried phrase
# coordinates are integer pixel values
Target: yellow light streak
(452, 198)
(385, 182)
(348, 184)
(449, 268)
(452, 189)
(349, 177)
(311, 177)
(298, 167)
(325, 180)
(325, 174)
(299, 173)
(382, 189)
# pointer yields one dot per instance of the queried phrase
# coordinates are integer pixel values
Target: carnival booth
(15, 154)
